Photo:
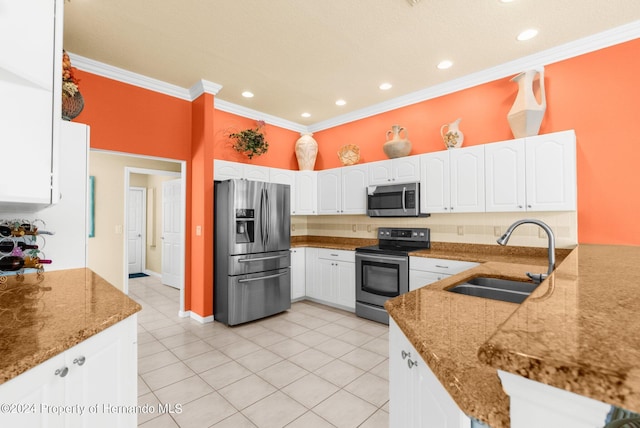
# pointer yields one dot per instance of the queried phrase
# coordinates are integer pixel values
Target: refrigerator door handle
(257, 259)
(262, 225)
(268, 222)
(263, 277)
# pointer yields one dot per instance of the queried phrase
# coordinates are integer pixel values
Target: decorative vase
(453, 138)
(72, 106)
(306, 151)
(397, 146)
(526, 113)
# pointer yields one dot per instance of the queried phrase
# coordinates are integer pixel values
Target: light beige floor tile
(379, 419)
(208, 360)
(225, 374)
(350, 322)
(167, 331)
(259, 360)
(250, 330)
(345, 410)
(275, 411)
(179, 340)
(356, 337)
(282, 373)
(247, 391)
(143, 388)
(238, 420)
(385, 407)
(152, 401)
(310, 420)
(192, 349)
(287, 328)
(381, 370)
(310, 390)
(163, 421)
(144, 337)
(167, 375)
(362, 358)
(184, 391)
(339, 373)
(308, 321)
(371, 388)
(162, 327)
(205, 411)
(288, 348)
(373, 328)
(335, 347)
(311, 359)
(379, 346)
(333, 330)
(220, 339)
(155, 361)
(312, 338)
(239, 348)
(268, 338)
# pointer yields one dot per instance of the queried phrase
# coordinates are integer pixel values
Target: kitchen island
(576, 332)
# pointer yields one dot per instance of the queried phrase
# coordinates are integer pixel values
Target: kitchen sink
(505, 290)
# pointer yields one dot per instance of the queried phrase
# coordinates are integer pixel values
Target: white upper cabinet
(399, 170)
(225, 170)
(306, 193)
(329, 191)
(30, 99)
(452, 181)
(285, 176)
(551, 172)
(343, 190)
(532, 174)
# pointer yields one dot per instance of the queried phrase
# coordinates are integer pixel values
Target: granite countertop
(577, 331)
(41, 317)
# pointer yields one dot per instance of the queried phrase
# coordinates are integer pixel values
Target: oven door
(380, 277)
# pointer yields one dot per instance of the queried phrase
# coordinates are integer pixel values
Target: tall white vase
(526, 113)
(306, 151)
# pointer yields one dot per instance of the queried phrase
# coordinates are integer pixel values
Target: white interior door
(172, 239)
(135, 228)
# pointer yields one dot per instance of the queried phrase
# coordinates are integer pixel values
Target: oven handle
(384, 258)
(404, 192)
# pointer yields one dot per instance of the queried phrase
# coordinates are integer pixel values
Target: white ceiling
(302, 55)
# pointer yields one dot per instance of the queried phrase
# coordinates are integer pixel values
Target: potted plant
(250, 142)
(72, 100)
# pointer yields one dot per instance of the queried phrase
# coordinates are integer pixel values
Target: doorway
(136, 228)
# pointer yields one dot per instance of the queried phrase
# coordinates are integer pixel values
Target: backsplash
(472, 228)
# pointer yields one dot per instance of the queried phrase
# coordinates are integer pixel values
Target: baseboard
(152, 273)
(201, 319)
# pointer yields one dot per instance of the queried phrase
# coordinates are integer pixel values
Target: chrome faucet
(536, 277)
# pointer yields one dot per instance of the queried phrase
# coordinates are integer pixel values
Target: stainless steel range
(382, 271)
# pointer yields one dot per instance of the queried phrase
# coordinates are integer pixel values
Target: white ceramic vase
(306, 151)
(397, 146)
(526, 113)
(454, 137)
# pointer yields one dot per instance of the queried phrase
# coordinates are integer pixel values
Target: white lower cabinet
(416, 397)
(331, 277)
(424, 271)
(89, 382)
(298, 273)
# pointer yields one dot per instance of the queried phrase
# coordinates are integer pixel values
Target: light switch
(198, 230)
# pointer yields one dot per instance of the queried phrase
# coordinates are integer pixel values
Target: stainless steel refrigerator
(252, 261)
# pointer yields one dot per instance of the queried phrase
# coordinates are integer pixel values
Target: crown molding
(582, 46)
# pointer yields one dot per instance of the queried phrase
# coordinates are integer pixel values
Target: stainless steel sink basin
(495, 288)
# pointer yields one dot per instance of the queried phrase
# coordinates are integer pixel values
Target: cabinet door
(312, 286)
(306, 192)
(346, 284)
(467, 179)
(298, 272)
(505, 176)
(103, 370)
(36, 387)
(380, 172)
(354, 189)
(435, 183)
(420, 278)
(406, 169)
(285, 176)
(551, 172)
(402, 405)
(225, 170)
(256, 172)
(326, 274)
(329, 191)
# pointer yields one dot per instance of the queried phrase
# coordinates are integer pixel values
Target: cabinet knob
(405, 354)
(445, 208)
(528, 206)
(411, 363)
(520, 206)
(62, 372)
(79, 361)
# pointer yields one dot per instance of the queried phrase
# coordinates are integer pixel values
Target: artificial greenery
(250, 142)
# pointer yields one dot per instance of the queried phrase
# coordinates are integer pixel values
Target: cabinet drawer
(449, 267)
(338, 255)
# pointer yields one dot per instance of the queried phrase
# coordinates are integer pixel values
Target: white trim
(152, 273)
(201, 319)
(184, 314)
(578, 47)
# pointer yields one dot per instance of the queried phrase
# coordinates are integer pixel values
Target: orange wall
(595, 94)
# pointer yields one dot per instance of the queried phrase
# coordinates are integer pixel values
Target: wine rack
(21, 249)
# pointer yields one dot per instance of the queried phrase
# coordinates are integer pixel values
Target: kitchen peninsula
(67, 338)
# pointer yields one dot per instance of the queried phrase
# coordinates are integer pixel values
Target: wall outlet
(369, 228)
(354, 227)
(198, 230)
(118, 229)
(293, 227)
(460, 230)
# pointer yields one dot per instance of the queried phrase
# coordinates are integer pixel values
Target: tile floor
(312, 366)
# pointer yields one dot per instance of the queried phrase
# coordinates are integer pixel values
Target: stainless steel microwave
(394, 200)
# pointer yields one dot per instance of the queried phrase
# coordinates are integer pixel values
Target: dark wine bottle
(10, 263)
(8, 246)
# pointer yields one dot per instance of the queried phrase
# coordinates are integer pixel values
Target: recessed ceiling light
(385, 86)
(506, 1)
(247, 94)
(305, 114)
(340, 102)
(527, 34)
(445, 64)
